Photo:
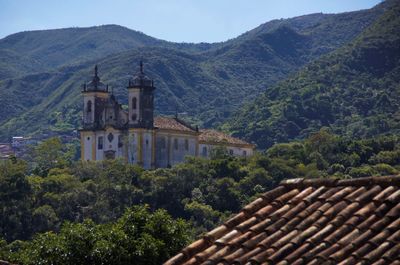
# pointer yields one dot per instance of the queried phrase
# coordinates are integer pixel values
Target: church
(135, 135)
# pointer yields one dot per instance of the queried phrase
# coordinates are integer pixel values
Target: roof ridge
(390, 180)
(184, 123)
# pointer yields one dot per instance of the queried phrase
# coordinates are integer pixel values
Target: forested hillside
(43, 50)
(42, 76)
(354, 91)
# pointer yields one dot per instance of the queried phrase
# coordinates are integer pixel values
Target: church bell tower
(141, 100)
(95, 94)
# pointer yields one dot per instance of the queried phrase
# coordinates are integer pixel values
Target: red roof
(213, 136)
(172, 124)
(309, 221)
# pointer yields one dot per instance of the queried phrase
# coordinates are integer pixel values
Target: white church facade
(135, 135)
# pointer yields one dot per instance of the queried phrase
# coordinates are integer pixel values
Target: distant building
(136, 135)
(21, 141)
(6, 151)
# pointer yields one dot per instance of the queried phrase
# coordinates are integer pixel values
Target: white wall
(147, 145)
(107, 144)
(234, 150)
(178, 155)
(87, 153)
(169, 155)
(133, 148)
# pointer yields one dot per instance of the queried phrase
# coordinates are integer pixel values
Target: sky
(172, 20)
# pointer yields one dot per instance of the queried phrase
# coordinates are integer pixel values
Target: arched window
(134, 103)
(100, 143)
(89, 106)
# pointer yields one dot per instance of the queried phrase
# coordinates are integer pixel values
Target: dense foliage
(355, 91)
(138, 237)
(82, 201)
(207, 81)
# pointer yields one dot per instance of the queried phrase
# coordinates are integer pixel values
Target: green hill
(354, 91)
(44, 50)
(207, 81)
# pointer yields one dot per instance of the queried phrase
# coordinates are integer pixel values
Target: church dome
(96, 84)
(140, 79)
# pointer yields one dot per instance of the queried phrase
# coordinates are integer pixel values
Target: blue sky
(173, 20)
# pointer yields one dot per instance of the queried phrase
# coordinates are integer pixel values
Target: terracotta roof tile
(172, 124)
(319, 221)
(213, 136)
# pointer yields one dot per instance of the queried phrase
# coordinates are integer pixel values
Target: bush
(364, 171)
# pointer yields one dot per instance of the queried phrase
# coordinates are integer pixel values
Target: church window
(110, 137)
(89, 106)
(100, 143)
(134, 117)
(204, 151)
(244, 153)
(120, 144)
(230, 151)
(147, 141)
(176, 144)
(186, 144)
(134, 103)
(88, 138)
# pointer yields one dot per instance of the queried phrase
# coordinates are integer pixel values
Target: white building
(110, 132)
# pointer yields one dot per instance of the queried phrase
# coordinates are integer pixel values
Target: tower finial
(141, 66)
(95, 70)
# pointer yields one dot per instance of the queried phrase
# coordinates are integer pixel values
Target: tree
(15, 200)
(49, 154)
(139, 237)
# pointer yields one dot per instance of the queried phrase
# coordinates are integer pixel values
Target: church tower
(141, 101)
(95, 95)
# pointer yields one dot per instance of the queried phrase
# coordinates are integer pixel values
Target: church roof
(172, 124)
(213, 136)
(309, 221)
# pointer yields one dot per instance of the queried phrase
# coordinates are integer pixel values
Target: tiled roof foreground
(309, 221)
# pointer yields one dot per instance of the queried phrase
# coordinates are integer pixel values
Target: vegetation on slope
(44, 50)
(355, 91)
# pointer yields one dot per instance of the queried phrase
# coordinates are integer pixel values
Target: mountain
(43, 50)
(354, 91)
(40, 88)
